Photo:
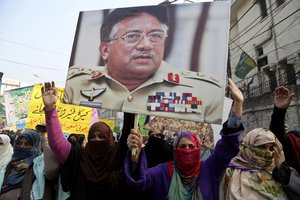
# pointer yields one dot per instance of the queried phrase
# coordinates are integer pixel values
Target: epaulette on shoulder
(201, 76)
(79, 71)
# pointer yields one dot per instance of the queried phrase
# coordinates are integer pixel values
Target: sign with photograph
(165, 60)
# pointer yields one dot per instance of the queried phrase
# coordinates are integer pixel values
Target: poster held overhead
(150, 63)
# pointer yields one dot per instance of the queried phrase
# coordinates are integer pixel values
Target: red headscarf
(187, 165)
(187, 161)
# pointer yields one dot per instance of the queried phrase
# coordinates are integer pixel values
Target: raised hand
(283, 97)
(237, 96)
(49, 95)
(236, 93)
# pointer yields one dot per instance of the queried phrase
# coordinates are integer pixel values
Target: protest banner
(17, 102)
(73, 119)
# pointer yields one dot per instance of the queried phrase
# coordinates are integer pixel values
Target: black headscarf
(101, 159)
(157, 150)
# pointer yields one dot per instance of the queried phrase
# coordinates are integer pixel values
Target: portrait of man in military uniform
(133, 75)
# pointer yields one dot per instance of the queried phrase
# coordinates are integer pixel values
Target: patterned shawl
(249, 175)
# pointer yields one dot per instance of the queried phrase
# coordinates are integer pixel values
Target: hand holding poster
(150, 60)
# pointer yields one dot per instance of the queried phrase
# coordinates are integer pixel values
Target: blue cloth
(2, 173)
(234, 121)
(157, 179)
(38, 186)
(61, 194)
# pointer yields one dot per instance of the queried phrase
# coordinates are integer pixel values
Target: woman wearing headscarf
(77, 139)
(290, 141)
(46, 170)
(286, 175)
(289, 173)
(187, 177)
(95, 172)
(249, 174)
(19, 174)
(6, 151)
(157, 150)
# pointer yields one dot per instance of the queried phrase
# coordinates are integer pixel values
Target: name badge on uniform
(91, 104)
(174, 102)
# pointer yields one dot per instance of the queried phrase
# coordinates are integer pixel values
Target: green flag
(245, 65)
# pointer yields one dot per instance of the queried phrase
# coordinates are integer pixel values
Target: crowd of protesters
(43, 164)
(263, 165)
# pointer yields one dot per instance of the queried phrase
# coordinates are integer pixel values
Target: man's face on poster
(135, 50)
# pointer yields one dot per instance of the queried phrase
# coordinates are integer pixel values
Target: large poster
(167, 60)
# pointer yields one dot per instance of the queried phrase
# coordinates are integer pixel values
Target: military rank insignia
(95, 75)
(173, 78)
(174, 102)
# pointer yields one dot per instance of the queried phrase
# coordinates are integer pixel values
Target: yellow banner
(73, 119)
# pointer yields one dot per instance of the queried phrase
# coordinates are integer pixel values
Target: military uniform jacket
(184, 95)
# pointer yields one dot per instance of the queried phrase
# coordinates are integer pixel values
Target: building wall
(9, 84)
(277, 36)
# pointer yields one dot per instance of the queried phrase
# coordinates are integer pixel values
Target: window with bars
(263, 8)
(262, 59)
